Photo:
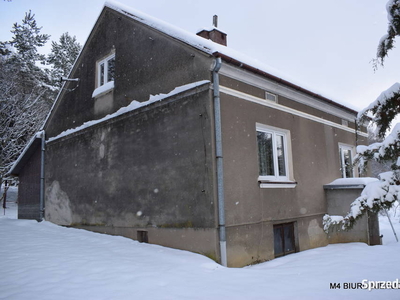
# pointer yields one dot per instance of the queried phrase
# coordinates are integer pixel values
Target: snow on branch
(387, 41)
(382, 193)
(384, 109)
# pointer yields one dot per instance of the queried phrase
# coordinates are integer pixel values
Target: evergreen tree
(25, 91)
(62, 57)
(27, 39)
(387, 41)
(383, 193)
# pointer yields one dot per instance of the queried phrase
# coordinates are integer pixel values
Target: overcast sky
(325, 45)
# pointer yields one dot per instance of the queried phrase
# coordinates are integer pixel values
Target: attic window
(106, 70)
(270, 96)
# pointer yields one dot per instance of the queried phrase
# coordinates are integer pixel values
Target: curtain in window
(265, 154)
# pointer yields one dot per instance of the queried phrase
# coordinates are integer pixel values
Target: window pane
(271, 97)
(265, 153)
(348, 163)
(288, 232)
(278, 242)
(111, 69)
(101, 74)
(280, 147)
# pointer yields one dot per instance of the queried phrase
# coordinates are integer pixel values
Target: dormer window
(106, 70)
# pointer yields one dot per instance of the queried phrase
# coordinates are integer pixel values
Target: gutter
(238, 63)
(218, 152)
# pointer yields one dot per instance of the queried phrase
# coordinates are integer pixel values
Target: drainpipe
(41, 203)
(218, 152)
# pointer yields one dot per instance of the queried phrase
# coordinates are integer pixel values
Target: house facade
(226, 159)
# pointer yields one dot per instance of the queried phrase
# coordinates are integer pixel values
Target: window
(346, 160)
(270, 96)
(284, 241)
(106, 70)
(142, 236)
(272, 154)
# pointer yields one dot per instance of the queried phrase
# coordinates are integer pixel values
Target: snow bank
(45, 261)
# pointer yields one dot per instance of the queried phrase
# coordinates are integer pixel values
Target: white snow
(382, 98)
(46, 261)
(132, 106)
(103, 89)
(381, 148)
(38, 135)
(353, 181)
(211, 28)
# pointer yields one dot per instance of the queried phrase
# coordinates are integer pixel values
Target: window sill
(101, 90)
(277, 184)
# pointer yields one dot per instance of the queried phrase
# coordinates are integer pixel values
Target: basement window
(142, 236)
(284, 239)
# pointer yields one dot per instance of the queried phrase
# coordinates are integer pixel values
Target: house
(170, 138)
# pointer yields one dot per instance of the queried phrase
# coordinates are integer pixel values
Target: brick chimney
(214, 33)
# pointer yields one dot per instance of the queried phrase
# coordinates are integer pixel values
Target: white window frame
(276, 180)
(271, 95)
(98, 66)
(345, 147)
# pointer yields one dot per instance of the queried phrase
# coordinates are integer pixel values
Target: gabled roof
(227, 54)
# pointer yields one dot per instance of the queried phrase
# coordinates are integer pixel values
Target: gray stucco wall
(365, 230)
(251, 210)
(29, 188)
(151, 168)
(146, 62)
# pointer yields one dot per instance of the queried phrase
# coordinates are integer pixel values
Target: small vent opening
(142, 236)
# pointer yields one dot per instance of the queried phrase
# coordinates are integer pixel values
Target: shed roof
(24, 157)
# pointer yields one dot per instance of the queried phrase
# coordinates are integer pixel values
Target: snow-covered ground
(45, 261)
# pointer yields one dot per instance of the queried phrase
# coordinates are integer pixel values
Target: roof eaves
(240, 64)
(210, 48)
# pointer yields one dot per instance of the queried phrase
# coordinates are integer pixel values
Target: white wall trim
(286, 109)
(279, 89)
(278, 185)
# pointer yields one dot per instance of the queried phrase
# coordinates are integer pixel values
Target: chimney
(214, 33)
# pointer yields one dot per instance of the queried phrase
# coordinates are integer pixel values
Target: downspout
(42, 149)
(218, 152)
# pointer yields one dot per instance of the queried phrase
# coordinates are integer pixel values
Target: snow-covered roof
(132, 106)
(354, 182)
(28, 151)
(216, 49)
(210, 29)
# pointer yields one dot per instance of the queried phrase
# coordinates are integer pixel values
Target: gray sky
(326, 46)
